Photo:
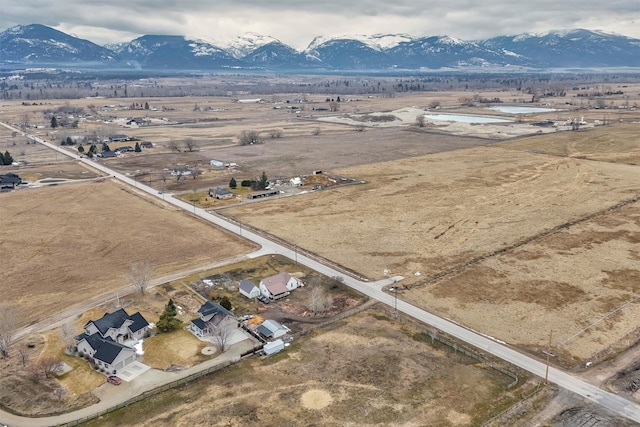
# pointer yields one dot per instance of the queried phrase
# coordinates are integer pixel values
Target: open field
(68, 243)
(426, 215)
(346, 374)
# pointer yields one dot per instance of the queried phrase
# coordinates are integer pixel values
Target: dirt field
(421, 216)
(71, 242)
(352, 380)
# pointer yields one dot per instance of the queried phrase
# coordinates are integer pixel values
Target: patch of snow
(138, 347)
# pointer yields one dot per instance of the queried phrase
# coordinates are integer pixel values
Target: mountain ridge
(35, 44)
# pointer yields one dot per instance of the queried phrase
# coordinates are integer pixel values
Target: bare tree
(221, 334)
(67, 335)
(315, 132)
(173, 146)
(433, 333)
(421, 121)
(319, 302)
(334, 106)
(49, 365)
(190, 144)
(8, 327)
(276, 133)
(140, 275)
(196, 171)
(163, 175)
(24, 356)
(434, 104)
(250, 137)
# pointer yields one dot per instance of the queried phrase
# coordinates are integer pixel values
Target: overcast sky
(297, 22)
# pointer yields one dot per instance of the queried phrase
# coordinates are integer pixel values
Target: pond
(465, 119)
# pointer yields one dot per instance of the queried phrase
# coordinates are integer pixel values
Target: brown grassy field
(348, 374)
(68, 243)
(433, 213)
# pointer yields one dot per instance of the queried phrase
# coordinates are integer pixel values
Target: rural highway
(485, 344)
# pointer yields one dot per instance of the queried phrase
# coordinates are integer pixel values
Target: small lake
(465, 119)
(522, 110)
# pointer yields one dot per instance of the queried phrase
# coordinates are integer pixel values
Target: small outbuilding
(273, 347)
(272, 329)
(248, 289)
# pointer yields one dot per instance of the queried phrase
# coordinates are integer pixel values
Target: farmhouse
(279, 286)
(103, 340)
(146, 144)
(221, 193)
(9, 180)
(272, 329)
(248, 289)
(212, 316)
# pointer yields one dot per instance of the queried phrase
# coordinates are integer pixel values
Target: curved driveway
(615, 403)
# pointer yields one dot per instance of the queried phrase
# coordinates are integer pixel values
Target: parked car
(114, 380)
(263, 299)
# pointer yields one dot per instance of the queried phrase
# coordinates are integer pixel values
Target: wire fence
(155, 391)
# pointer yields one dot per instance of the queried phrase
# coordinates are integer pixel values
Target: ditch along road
(613, 402)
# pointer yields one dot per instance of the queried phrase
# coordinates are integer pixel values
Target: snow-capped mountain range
(39, 45)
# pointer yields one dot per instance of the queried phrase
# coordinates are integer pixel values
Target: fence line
(153, 392)
(516, 405)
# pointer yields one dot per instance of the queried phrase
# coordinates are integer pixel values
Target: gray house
(221, 193)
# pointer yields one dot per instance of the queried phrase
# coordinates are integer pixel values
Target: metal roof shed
(273, 347)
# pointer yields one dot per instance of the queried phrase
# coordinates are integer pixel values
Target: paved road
(486, 344)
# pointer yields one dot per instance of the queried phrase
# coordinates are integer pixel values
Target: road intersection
(374, 290)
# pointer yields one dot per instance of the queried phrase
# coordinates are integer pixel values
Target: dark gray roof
(139, 322)
(246, 285)
(201, 324)
(209, 308)
(116, 319)
(265, 331)
(106, 349)
(10, 178)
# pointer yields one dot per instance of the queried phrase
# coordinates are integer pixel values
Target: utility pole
(546, 374)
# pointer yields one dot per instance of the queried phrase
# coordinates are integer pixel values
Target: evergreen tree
(168, 321)
(233, 183)
(54, 122)
(137, 149)
(7, 159)
(69, 141)
(146, 105)
(81, 149)
(224, 301)
(263, 183)
(105, 147)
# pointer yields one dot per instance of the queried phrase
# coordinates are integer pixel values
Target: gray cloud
(297, 22)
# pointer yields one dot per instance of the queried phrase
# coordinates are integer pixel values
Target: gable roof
(116, 319)
(139, 322)
(277, 284)
(246, 285)
(110, 320)
(209, 308)
(106, 349)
